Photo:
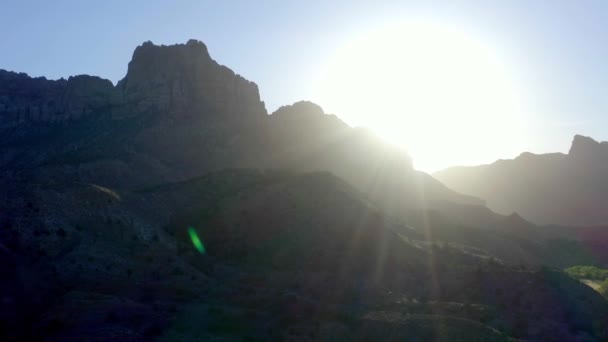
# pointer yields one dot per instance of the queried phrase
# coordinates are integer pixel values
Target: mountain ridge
(207, 106)
(552, 188)
(172, 80)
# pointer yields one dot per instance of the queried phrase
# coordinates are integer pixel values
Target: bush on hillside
(587, 272)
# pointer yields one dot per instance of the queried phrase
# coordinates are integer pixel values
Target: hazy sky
(557, 51)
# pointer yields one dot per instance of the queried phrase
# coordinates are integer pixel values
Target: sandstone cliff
(178, 81)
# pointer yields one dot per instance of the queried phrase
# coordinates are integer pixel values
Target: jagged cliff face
(548, 188)
(588, 151)
(182, 80)
(176, 114)
(38, 100)
(177, 81)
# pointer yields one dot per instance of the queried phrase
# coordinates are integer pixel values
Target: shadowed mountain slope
(567, 189)
(287, 254)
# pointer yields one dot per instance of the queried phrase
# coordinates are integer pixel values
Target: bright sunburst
(440, 93)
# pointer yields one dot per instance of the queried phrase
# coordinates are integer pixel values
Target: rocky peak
(183, 80)
(582, 144)
(307, 116)
(586, 147)
(301, 108)
(514, 219)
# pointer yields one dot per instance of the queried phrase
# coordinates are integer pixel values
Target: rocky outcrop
(302, 109)
(299, 119)
(585, 148)
(25, 99)
(182, 80)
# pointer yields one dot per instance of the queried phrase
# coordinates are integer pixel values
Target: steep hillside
(510, 239)
(286, 255)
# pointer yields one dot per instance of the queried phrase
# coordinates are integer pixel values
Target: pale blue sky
(558, 50)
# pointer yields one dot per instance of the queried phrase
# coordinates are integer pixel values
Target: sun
(437, 91)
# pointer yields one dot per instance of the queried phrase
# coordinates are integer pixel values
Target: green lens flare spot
(196, 241)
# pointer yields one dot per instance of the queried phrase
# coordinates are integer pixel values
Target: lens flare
(196, 241)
